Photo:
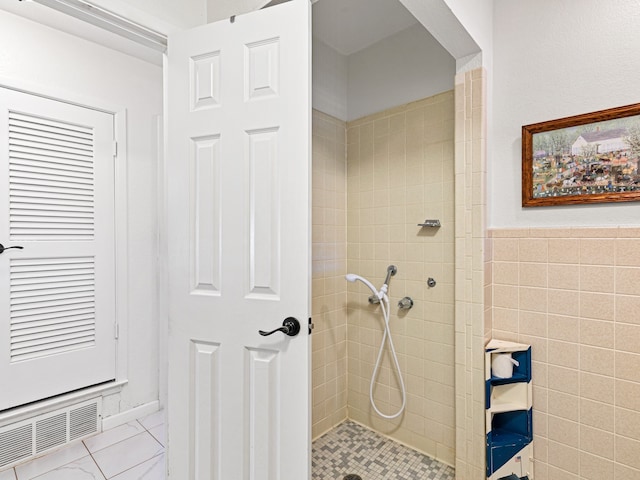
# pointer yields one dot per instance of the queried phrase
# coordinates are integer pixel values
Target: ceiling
(349, 26)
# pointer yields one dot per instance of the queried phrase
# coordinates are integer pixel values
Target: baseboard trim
(129, 415)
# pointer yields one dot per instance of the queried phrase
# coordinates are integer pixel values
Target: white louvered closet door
(57, 294)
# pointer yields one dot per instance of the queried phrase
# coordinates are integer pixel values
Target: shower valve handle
(290, 326)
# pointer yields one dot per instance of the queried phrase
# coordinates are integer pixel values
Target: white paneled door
(57, 292)
(238, 173)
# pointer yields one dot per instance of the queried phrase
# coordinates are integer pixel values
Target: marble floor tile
(160, 434)
(51, 461)
(128, 453)
(8, 475)
(112, 436)
(83, 469)
(153, 469)
(152, 420)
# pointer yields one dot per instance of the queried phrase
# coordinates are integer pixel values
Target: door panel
(238, 170)
(57, 294)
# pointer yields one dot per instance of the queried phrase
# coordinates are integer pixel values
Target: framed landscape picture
(582, 159)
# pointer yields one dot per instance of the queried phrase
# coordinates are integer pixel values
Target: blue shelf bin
(510, 433)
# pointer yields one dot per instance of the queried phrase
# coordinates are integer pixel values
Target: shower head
(352, 277)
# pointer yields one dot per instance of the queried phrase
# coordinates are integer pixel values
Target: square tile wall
(329, 290)
(473, 272)
(574, 295)
(400, 171)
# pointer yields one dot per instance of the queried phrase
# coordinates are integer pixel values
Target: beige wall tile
(628, 280)
(594, 468)
(563, 354)
(597, 306)
(532, 299)
(596, 360)
(623, 472)
(564, 328)
(505, 249)
(505, 296)
(597, 252)
(627, 423)
(627, 337)
(627, 366)
(596, 279)
(596, 441)
(627, 451)
(627, 395)
(505, 319)
(564, 302)
(597, 414)
(533, 323)
(597, 333)
(627, 308)
(591, 232)
(564, 380)
(597, 387)
(564, 250)
(533, 250)
(564, 431)
(505, 273)
(329, 264)
(533, 274)
(626, 252)
(564, 457)
(563, 405)
(559, 474)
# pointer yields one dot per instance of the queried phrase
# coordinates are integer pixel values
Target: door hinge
(115, 148)
(311, 326)
(116, 330)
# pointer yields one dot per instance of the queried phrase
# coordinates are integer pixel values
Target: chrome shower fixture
(380, 297)
(391, 271)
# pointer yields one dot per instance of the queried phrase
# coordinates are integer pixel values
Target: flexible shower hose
(384, 303)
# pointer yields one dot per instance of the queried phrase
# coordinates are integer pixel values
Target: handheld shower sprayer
(352, 277)
(383, 300)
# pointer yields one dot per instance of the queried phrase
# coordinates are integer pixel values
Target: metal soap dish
(430, 223)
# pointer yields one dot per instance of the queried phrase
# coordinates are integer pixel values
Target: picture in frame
(590, 158)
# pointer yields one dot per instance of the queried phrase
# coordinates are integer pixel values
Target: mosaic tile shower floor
(351, 448)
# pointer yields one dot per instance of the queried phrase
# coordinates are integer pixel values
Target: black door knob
(290, 326)
(3, 248)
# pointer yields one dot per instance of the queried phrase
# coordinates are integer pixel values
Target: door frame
(120, 239)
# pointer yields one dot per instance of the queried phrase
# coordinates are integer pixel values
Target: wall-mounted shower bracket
(430, 223)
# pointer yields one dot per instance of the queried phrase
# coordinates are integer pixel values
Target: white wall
(163, 16)
(329, 80)
(551, 60)
(34, 55)
(405, 67)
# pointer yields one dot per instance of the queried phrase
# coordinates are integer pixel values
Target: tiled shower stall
(374, 180)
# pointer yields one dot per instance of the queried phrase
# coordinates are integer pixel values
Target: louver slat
(51, 432)
(15, 444)
(57, 316)
(83, 421)
(51, 179)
